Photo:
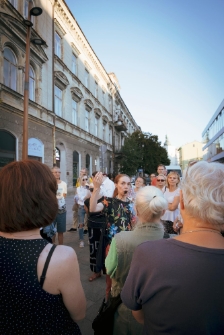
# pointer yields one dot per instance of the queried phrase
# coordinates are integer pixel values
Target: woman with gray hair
(190, 272)
(150, 205)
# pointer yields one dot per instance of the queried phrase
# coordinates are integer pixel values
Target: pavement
(94, 291)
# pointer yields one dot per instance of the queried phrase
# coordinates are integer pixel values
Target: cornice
(75, 49)
(11, 26)
(59, 27)
(65, 14)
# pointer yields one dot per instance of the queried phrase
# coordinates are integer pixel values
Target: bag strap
(43, 276)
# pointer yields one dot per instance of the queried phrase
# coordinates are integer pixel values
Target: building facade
(77, 117)
(189, 152)
(213, 137)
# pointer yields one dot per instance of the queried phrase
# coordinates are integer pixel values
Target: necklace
(196, 230)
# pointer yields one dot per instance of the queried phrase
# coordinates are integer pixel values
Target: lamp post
(35, 11)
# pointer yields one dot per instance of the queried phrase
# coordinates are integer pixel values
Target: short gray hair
(150, 203)
(203, 192)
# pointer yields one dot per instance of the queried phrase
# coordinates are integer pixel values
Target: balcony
(120, 125)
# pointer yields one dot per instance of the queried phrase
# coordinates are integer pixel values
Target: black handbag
(104, 321)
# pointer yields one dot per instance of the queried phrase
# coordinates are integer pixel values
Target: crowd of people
(160, 247)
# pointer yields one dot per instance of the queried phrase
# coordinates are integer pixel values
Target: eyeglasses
(84, 179)
(160, 180)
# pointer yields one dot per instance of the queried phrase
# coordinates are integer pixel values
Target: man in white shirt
(60, 220)
(107, 188)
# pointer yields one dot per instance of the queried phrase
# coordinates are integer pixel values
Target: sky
(168, 56)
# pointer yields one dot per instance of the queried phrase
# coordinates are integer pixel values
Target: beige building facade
(188, 152)
(76, 112)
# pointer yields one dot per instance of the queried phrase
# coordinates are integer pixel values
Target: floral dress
(119, 215)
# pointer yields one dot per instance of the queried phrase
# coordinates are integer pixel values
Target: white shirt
(169, 196)
(62, 189)
(81, 193)
(107, 188)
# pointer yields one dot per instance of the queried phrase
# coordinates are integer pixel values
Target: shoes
(85, 232)
(72, 230)
(95, 276)
(81, 244)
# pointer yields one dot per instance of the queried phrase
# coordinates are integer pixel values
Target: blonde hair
(150, 203)
(203, 192)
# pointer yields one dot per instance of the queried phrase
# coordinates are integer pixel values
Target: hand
(98, 180)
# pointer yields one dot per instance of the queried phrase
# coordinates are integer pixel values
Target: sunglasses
(84, 179)
(160, 180)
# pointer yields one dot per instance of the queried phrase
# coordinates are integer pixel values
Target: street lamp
(35, 11)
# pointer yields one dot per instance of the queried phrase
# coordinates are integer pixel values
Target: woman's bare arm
(71, 288)
(174, 205)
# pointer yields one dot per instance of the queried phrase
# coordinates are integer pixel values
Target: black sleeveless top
(25, 308)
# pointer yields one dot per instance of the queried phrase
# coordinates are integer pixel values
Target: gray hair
(203, 192)
(150, 203)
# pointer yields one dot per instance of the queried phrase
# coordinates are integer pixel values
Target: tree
(142, 151)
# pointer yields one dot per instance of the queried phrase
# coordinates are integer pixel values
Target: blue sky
(168, 56)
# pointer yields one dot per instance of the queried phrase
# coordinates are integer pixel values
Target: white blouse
(169, 196)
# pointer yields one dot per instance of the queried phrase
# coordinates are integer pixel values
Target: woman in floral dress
(118, 210)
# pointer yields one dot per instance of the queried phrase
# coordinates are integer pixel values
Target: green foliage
(142, 151)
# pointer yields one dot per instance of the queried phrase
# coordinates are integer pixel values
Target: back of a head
(27, 196)
(150, 203)
(203, 192)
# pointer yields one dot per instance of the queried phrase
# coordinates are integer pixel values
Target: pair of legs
(81, 216)
(75, 222)
(94, 238)
(60, 223)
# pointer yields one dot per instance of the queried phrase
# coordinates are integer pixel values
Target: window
(57, 45)
(10, 72)
(87, 121)
(7, 148)
(74, 112)
(96, 90)
(103, 98)
(110, 135)
(58, 100)
(74, 64)
(26, 8)
(32, 84)
(86, 78)
(96, 126)
(14, 3)
(104, 130)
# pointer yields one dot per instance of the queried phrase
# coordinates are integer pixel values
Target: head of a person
(27, 196)
(173, 179)
(160, 181)
(202, 191)
(122, 185)
(150, 204)
(161, 169)
(140, 182)
(152, 176)
(56, 172)
(84, 180)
